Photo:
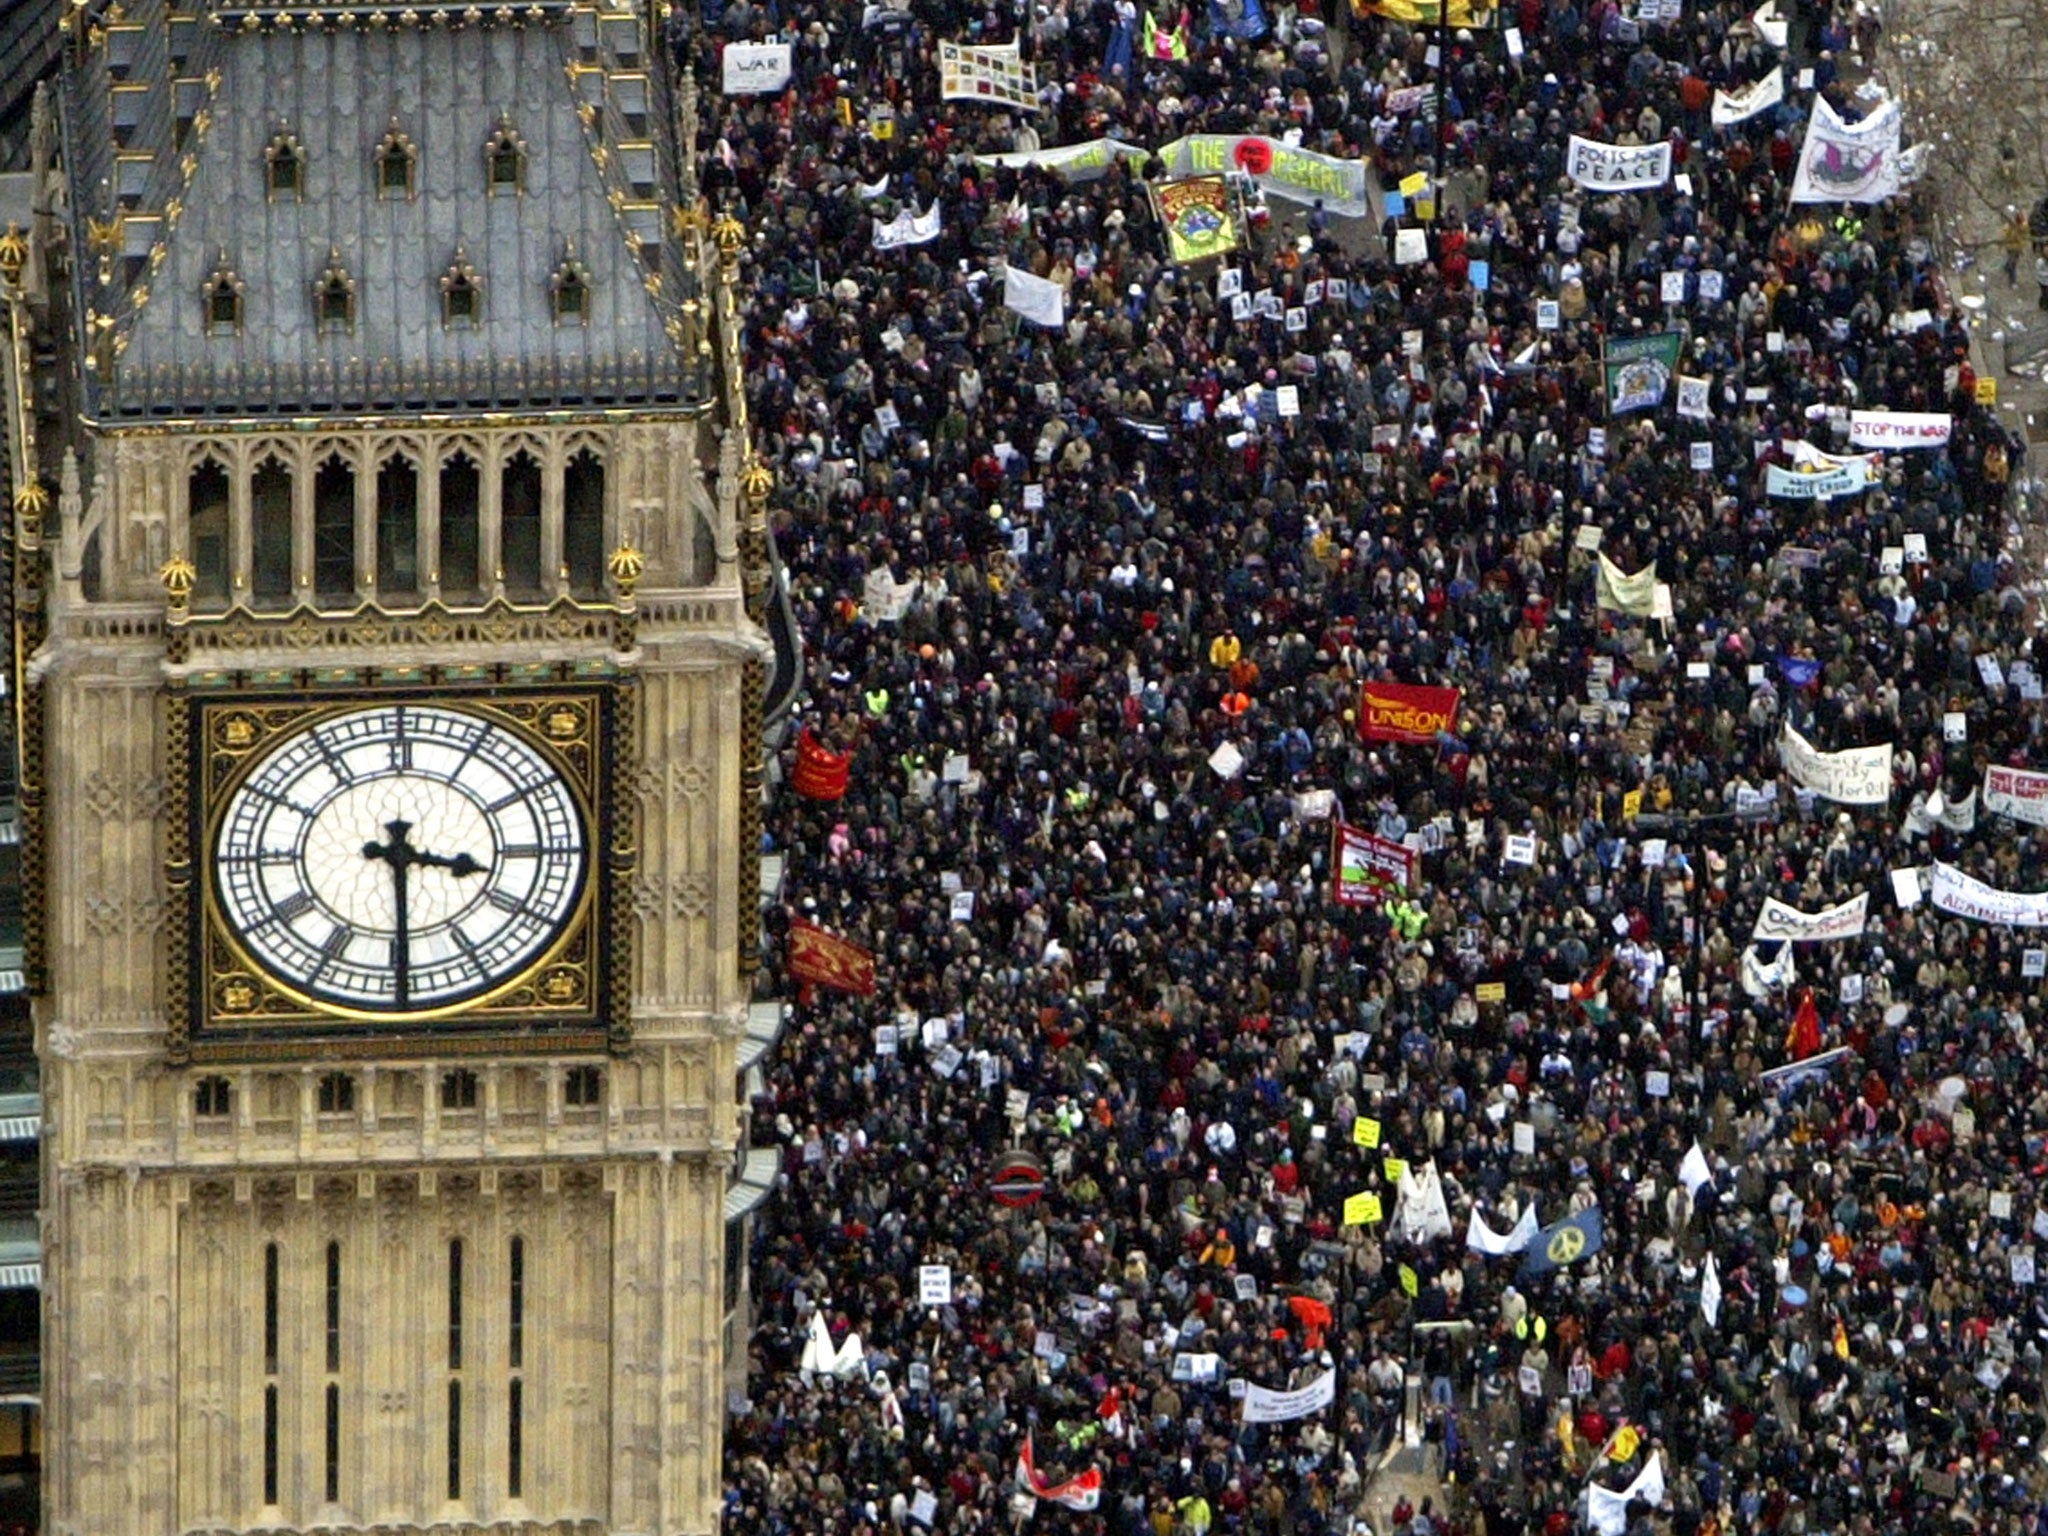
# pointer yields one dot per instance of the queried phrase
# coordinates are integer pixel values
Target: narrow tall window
(333, 1442)
(334, 295)
(207, 518)
(397, 159)
(333, 1307)
(455, 1305)
(270, 1444)
(223, 301)
(285, 161)
(519, 526)
(462, 293)
(461, 529)
(583, 1088)
(454, 1440)
(398, 506)
(515, 1469)
(458, 1089)
(270, 1309)
(334, 531)
(518, 1340)
(505, 161)
(570, 289)
(270, 510)
(583, 524)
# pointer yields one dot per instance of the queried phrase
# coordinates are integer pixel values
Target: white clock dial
(400, 859)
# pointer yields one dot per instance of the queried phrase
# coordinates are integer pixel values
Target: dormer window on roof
(334, 296)
(505, 162)
(397, 160)
(570, 290)
(285, 166)
(223, 298)
(462, 293)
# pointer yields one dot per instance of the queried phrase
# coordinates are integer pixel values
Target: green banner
(1640, 370)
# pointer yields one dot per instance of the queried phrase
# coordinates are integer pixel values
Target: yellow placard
(1425, 208)
(1632, 805)
(1492, 992)
(1410, 1281)
(1365, 1132)
(1987, 391)
(1410, 185)
(1362, 1210)
(1394, 1168)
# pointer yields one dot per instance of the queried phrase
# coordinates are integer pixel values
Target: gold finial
(13, 253)
(32, 498)
(626, 564)
(179, 577)
(756, 481)
(731, 236)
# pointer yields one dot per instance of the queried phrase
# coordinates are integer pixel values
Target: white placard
(1411, 247)
(1521, 848)
(1547, 315)
(1657, 1084)
(963, 906)
(1701, 455)
(1672, 287)
(2034, 963)
(1524, 1135)
(754, 69)
(1955, 725)
(1289, 400)
(935, 1285)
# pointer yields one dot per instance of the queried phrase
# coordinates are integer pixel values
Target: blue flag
(1800, 671)
(1571, 1239)
(1245, 19)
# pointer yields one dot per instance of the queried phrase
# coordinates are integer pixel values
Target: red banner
(1406, 712)
(1365, 870)
(822, 959)
(820, 773)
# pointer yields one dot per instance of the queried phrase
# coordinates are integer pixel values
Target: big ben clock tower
(389, 582)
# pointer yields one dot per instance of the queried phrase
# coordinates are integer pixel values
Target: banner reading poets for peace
(1617, 167)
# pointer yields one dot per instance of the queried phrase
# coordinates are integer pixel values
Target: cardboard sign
(1365, 1132)
(935, 1285)
(1491, 992)
(1362, 1210)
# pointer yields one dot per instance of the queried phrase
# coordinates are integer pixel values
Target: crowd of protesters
(1044, 575)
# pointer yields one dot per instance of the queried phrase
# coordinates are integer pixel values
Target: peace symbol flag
(1571, 1239)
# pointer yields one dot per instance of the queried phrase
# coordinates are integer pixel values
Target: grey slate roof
(338, 91)
(28, 48)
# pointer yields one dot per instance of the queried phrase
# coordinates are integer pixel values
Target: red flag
(826, 960)
(1082, 1491)
(1406, 712)
(820, 773)
(1803, 1038)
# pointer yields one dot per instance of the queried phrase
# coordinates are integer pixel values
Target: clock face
(400, 859)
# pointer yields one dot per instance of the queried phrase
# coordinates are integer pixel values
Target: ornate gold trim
(753, 692)
(234, 1009)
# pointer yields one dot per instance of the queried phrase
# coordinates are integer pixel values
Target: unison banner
(2018, 793)
(1617, 167)
(1264, 1406)
(1858, 776)
(1406, 712)
(1957, 892)
(1899, 429)
(1778, 921)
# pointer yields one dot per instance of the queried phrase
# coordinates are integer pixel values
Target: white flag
(1626, 591)
(1483, 1239)
(1740, 106)
(1693, 1170)
(1038, 299)
(1607, 1512)
(1710, 1294)
(1422, 1214)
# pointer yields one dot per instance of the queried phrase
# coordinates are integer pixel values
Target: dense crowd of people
(1044, 574)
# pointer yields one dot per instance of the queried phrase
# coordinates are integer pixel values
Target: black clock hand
(402, 856)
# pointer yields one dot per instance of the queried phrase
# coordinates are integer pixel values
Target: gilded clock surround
(570, 997)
